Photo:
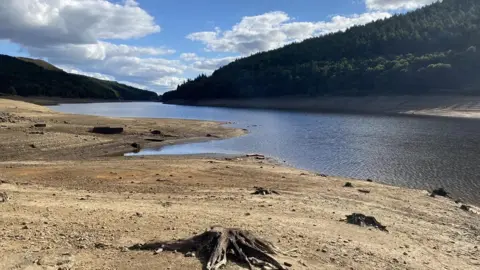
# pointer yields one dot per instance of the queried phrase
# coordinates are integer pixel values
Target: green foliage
(30, 77)
(426, 51)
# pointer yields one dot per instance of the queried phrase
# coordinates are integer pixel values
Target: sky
(158, 44)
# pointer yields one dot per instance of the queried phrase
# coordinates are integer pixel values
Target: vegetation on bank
(32, 77)
(432, 50)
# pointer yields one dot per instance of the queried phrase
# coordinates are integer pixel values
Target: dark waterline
(416, 152)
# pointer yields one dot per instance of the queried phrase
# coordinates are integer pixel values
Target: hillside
(429, 51)
(32, 77)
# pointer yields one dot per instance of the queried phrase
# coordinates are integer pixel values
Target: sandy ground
(79, 212)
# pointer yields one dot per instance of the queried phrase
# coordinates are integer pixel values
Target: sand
(79, 210)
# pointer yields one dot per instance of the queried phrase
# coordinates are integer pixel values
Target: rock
(160, 250)
(124, 249)
(190, 254)
(40, 125)
(366, 191)
(440, 192)
(100, 245)
(369, 180)
(209, 135)
(107, 130)
(25, 227)
(138, 214)
(135, 145)
(348, 184)
(32, 145)
(324, 250)
(287, 264)
(465, 207)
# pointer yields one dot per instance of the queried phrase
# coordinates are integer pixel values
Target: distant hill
(33, 77)
(429, 51)
(40, 63)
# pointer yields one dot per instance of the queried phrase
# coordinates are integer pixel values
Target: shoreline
(54, 101)
(438, 106)
(72, 205)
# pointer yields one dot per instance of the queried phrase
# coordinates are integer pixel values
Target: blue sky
(157, 44)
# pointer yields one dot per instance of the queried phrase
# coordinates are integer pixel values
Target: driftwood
(107, 130)
(218, 243)
(4, 197)
(362, 220)
(264, 191)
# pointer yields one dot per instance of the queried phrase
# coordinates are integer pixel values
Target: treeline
(432, 50)
(28, 77)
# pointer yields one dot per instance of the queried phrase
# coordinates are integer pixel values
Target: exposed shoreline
(443, 106)
(73, 205)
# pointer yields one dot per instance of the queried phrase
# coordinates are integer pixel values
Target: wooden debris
(264, 191)
(214, 245)
(4, 197)
(366, 191)
(107, 130)
(362, 220)
(256, 156)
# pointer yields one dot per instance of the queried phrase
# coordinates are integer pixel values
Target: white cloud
(397, 4)
(190, 57)
(208, 65)
(275, 29)
(47, 22)
(169, 83)
(89, 74)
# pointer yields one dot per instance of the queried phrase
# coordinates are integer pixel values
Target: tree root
(362, 220)
(264, 191)
(218, 242)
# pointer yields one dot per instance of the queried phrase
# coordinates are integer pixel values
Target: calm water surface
(418, 152)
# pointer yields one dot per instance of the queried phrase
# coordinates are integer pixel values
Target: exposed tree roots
(264, 191)
(362, 220)
(218, 243)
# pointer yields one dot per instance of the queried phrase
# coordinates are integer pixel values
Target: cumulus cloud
(275, 29)
(170, 82)
(89, 74)
(208, 65)
(50, 22)
(397, 4)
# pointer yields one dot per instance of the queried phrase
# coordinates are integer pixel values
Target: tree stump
(219, 244)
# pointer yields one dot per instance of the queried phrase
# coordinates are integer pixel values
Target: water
(416, 152)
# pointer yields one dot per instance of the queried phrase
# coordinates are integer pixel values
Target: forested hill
(432, 50)
(32, 77)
